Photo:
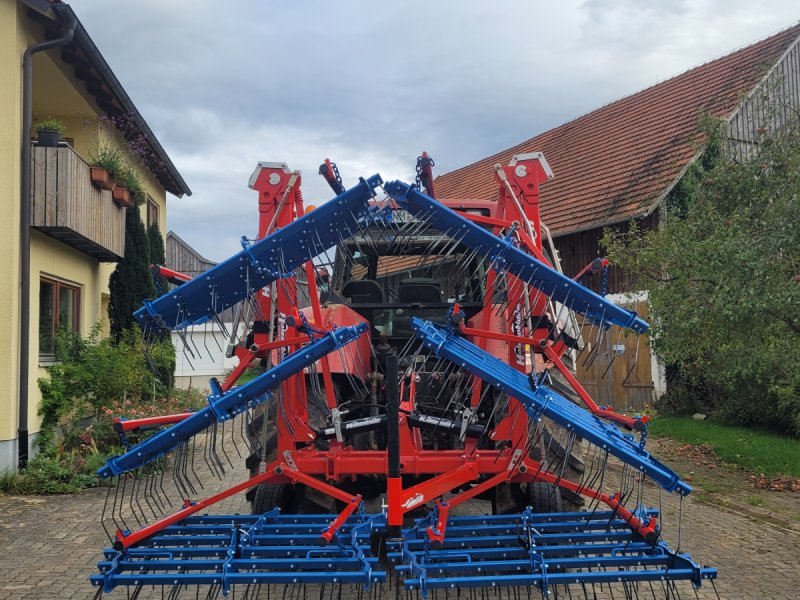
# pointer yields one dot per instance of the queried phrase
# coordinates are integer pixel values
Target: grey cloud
(372, 84)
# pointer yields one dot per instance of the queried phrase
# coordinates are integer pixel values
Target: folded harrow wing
(416, 358)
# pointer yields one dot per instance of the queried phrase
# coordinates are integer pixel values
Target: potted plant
(129, 188)
(106, 167)
(49, 132)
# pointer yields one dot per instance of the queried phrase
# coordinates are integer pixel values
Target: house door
(616, 370)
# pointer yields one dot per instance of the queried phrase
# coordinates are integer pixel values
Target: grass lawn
(248, 376)
(754, 449)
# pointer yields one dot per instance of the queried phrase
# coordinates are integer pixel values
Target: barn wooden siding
(770, 105)
(183, 258)
(577, 250)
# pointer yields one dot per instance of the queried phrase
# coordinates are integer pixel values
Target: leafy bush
(50, 124)
(90, 375)
(94, 382)
(723, 281)
(46, 474)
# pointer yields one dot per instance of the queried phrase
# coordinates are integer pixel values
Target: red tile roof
(612, 164)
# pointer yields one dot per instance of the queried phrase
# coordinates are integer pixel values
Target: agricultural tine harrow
(539, 400)
(505, 256)
(222, 407)
(419, 353)
(251, 554)
(552, 552)
(259, 264)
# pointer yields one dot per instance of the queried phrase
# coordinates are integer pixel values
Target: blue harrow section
(504, 256)
(226, 405)
(261, 263)
(539, 550)
(541, 400)
(246, 553)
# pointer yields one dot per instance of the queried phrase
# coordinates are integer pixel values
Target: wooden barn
(619, 163)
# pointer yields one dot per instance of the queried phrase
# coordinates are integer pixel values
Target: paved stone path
(49, 546)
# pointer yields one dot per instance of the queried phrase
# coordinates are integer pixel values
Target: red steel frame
(280, 202)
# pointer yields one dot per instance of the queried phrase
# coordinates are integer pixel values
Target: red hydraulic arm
(172, 276)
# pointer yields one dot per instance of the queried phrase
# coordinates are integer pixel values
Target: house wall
(12, 45)
(56, 93)
(107, 136)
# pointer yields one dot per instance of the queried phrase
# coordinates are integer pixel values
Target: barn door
(617, 372)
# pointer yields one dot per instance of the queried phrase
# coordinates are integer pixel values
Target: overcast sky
(372, 84)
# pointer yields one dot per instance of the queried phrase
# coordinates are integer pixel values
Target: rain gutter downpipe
(25, 231)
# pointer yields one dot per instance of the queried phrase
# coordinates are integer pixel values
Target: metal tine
(198, 354)
(596, 350)
(105, 509)
(356, 358)
(490, 419)
(191, 464)
(134, 498)
(206, 457)
(410, 231)
(428, 252)
(462, 268)
(236, 420)
(453, 246)
(162, 472)
(147, 473)
(635, 361)
(248, 424)
(118, 502)
(156, 484)
(379, 231)
(186, 349)
(222, 445)
(177, 477)
(188, 450)
(213, 335)
(213, 448)
(613, 355)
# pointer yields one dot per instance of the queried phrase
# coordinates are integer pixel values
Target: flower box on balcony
(102, 179)
(122, 197)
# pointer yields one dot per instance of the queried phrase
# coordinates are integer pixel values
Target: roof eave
(64, 11)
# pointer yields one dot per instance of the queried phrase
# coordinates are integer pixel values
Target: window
(59, 308)
(152, 212)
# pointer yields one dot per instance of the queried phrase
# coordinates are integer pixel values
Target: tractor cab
(389, 283)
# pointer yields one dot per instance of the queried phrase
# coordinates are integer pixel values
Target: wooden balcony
(67, 206)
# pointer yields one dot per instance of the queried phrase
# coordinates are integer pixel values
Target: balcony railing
(67, 206)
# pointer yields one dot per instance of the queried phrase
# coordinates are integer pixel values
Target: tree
(130, 283)
(723, 276)
(163, 364)
(157, 253)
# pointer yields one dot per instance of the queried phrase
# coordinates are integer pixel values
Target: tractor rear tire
(544, 497)
(269, 496)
